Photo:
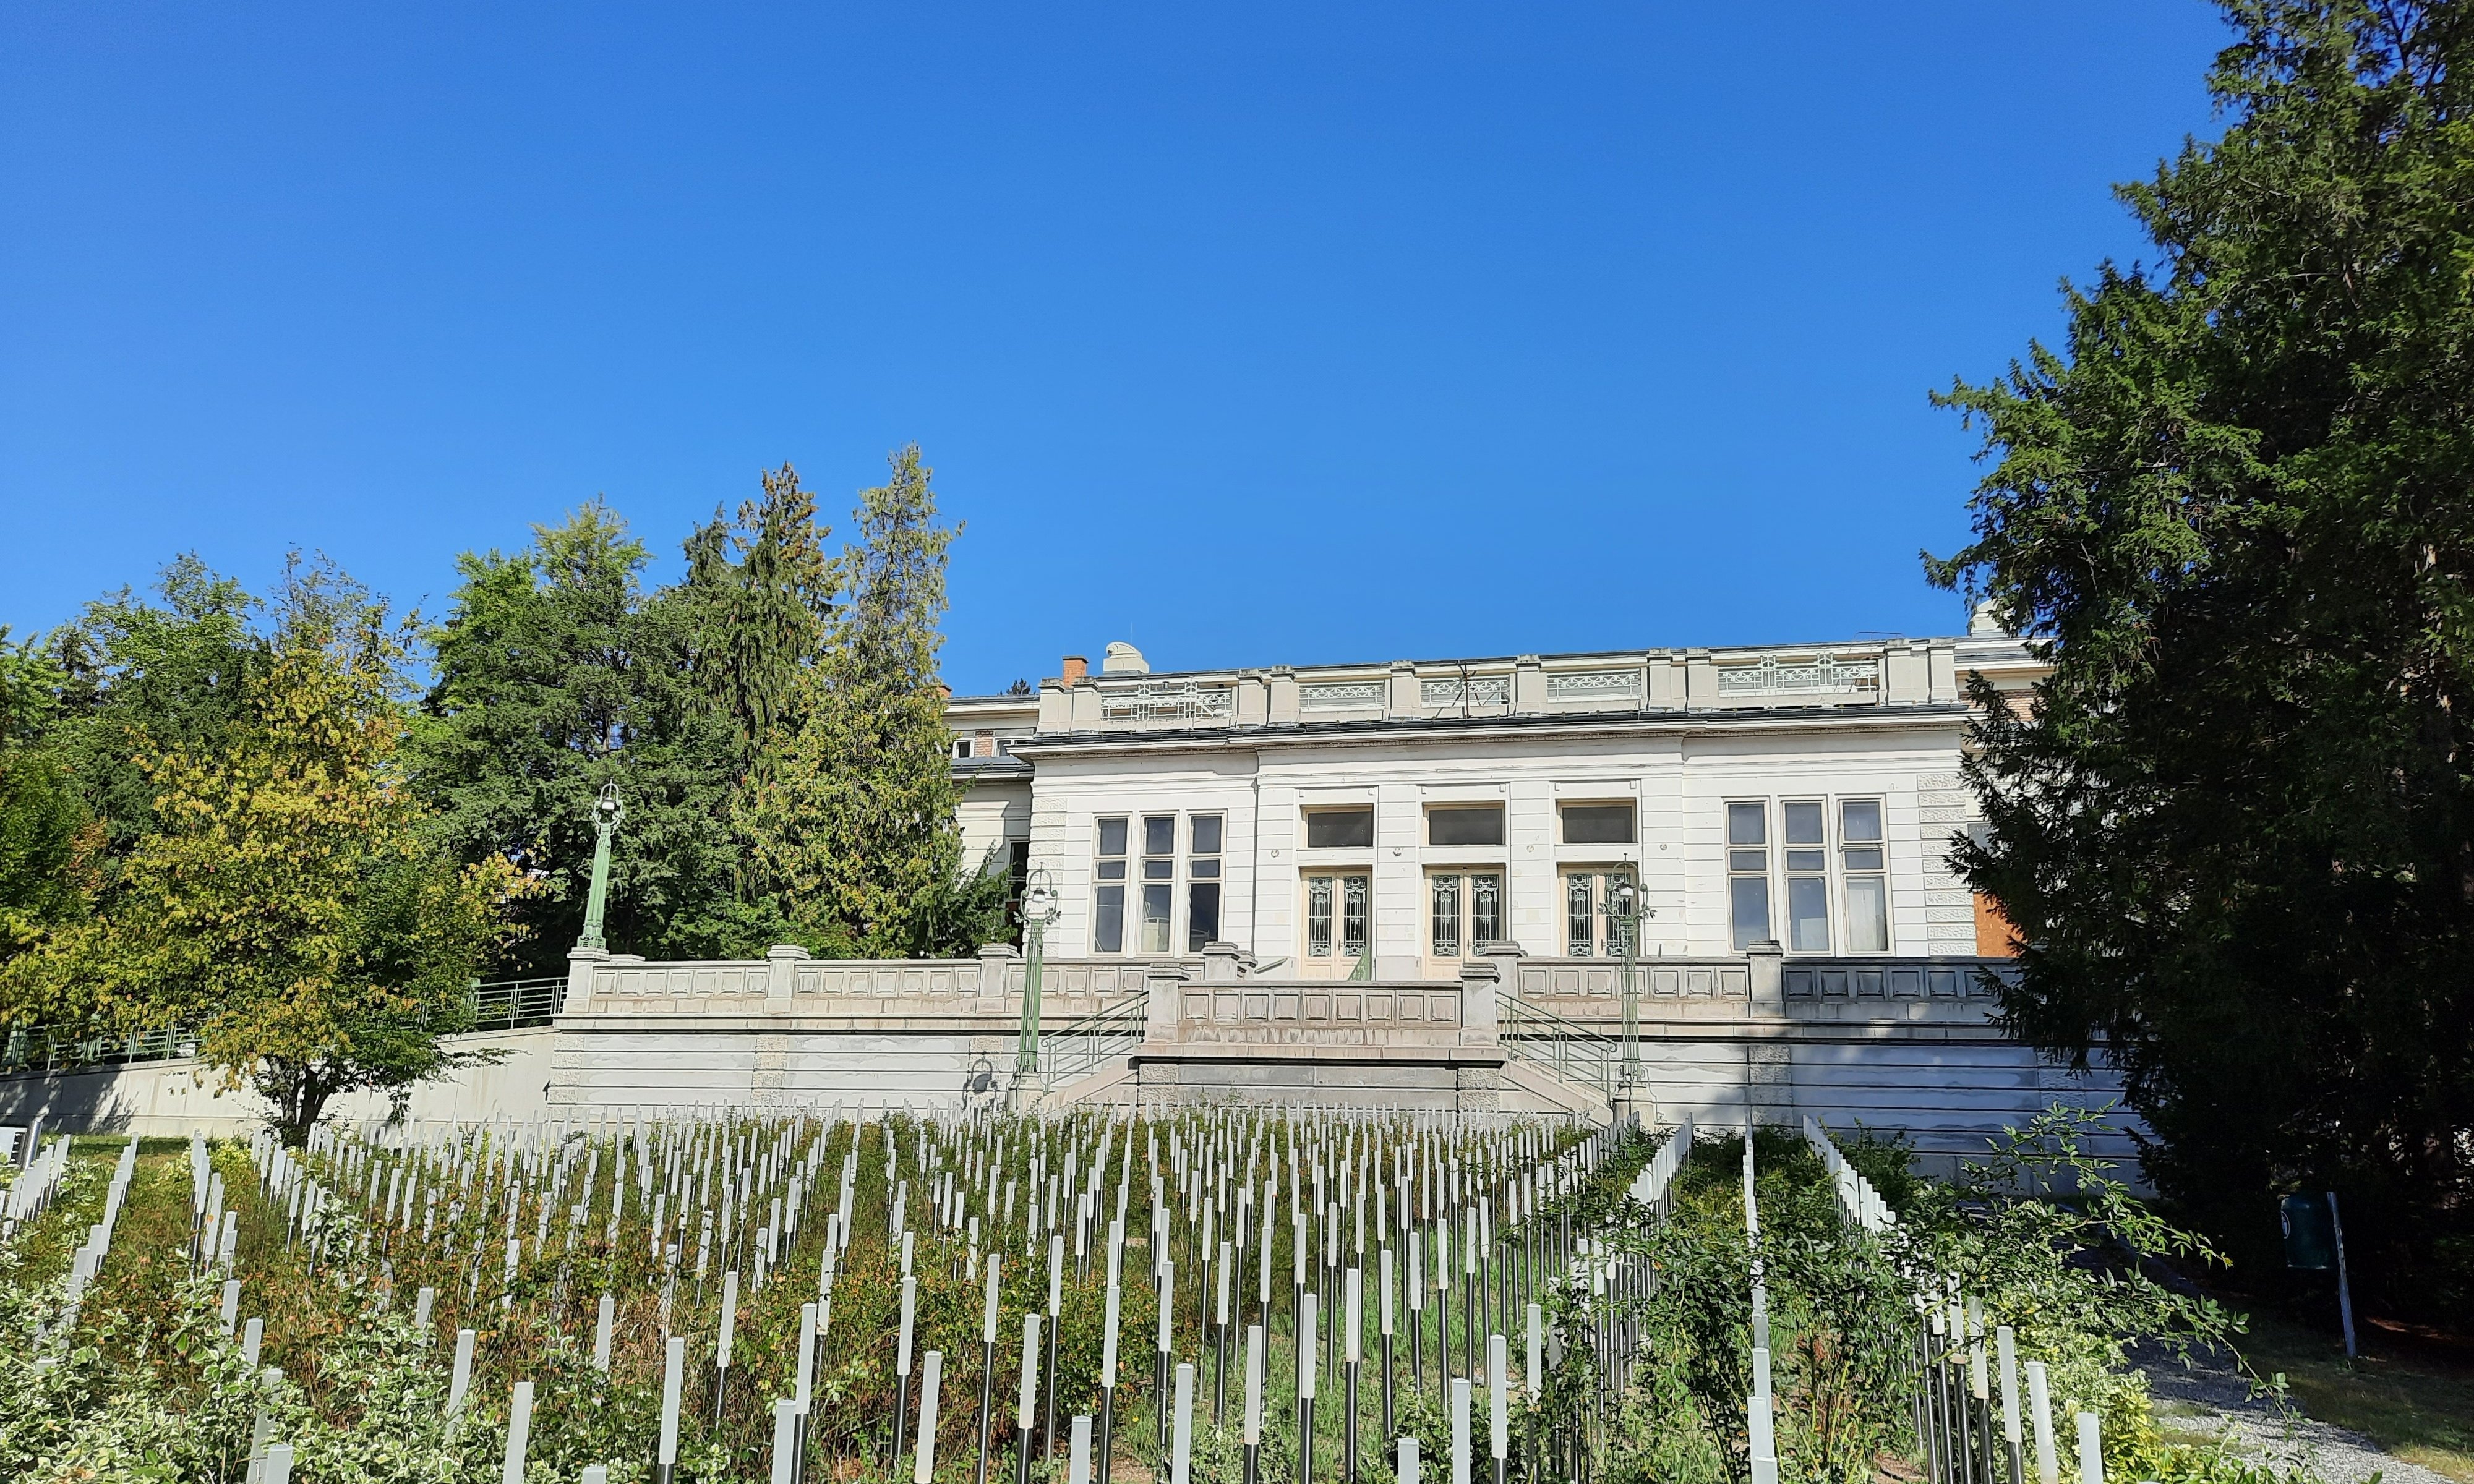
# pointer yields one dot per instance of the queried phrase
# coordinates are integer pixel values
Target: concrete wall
(175, 1097)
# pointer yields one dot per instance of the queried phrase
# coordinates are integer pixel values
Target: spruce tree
(851, 819)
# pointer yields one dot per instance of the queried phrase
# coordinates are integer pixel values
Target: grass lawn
(2414, 1398)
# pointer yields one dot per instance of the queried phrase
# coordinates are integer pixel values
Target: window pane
(1318, 917)
(1446, 915)
(1204, 869)
(1159, 834)
(1109, 919)
(1745, 825)
(1486, 911)
(1808, 914)
(1807, 860)
(1201, 915)
(1860, 820)
(1155, 910)
(1802, 819)
(1334, 829)
(1205, 830)
(1748, 901)
(1578, 914)
(1353, 917)
(1159, 869)
(1112, 837)
(1597, 824)
(1463, 824)
(1868, 859)
(1112, 871)
(1748, 860)
(1868, 915)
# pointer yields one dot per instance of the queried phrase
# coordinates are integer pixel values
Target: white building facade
(1392, 820)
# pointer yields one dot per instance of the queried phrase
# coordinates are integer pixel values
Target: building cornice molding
(1931, 716)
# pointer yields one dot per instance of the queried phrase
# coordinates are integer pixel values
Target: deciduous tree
(291, 903)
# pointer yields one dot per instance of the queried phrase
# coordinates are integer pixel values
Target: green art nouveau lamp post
(1624, 917)
(1038, 910)
(607, 812)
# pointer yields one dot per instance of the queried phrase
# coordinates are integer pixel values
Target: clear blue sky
(1253, 334)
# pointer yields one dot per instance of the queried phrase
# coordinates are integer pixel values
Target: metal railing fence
(1080, 1047)
(1571, 1050)
(508, 1004)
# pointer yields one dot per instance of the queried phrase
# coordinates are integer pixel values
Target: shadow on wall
(175, 1097)
(85, 1102)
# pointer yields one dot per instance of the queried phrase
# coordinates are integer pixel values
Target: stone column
(781, 962)
(581, 962)
(1528, 684)
(1164, 1002)
(1769, 990)
(1506, 959)
(1400, 695)
(1480, 1023)
(995, 971)
(1700, 679)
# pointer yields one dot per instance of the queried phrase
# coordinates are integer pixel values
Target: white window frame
(1767, 874)
(1102, 881)
(1841, 856)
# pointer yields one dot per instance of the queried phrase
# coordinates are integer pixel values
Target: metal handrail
(66, 1048)
(511, 1003)
(1081, 1046)
(507, 1004)
(1568, 1049)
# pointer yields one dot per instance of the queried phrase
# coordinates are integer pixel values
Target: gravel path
(2212, 1397)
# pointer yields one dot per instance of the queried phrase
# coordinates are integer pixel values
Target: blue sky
(1253, 334)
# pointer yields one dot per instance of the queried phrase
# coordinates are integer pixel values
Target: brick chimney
(1078, 669)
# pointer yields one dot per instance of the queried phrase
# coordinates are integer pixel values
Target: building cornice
(1931, 716)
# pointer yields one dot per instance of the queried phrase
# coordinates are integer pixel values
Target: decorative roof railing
(1167, 701)
(1820, 676)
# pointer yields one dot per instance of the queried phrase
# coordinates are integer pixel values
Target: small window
(1597, 824)
(1748, 875)
(1340, 829)
(1465, 824)
(1868, 886)
(1201, 881)
(1108, 894)
(1005, 746)
(1017, 877)
(961, 747)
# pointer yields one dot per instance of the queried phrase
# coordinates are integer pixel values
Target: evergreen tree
(2235, 830)
(555, 674)
(850, 819)
(761, 621)
(131, 680)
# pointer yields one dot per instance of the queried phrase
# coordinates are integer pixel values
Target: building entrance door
(1338, 912)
